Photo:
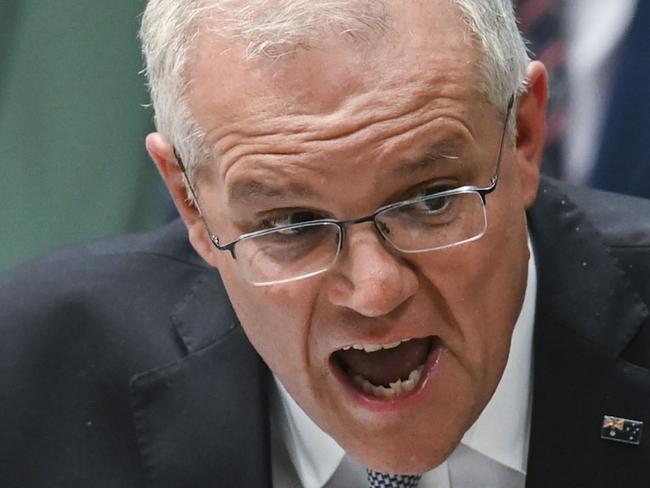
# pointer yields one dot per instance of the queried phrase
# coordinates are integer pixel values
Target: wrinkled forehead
(422, 46)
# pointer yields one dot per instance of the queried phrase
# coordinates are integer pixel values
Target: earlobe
(531, 130)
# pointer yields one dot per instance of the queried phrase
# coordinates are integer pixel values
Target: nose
(370, 278)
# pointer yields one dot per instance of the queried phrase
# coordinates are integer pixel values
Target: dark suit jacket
(123, 365)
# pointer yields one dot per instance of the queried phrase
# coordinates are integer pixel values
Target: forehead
(425, 52)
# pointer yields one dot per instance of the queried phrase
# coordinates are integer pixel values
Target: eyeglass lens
(292, 252)
(302, 250)
(435, 223)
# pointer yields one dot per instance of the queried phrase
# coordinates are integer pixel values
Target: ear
(162, 153)
(531, 130)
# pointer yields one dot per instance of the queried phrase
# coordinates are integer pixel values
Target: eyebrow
(437, 153)
(250, 189)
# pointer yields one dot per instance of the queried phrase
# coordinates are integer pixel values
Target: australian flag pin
(621, 430)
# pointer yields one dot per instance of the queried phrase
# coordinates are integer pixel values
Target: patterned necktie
(382, 480)
(542, 23)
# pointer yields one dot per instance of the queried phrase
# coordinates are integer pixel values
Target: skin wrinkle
(301, 132)
(315, 144)
(448, 149)
(414, 87)
(332, 127)
(459, 131)
(468, 296)
(250, 189)
(254, 187)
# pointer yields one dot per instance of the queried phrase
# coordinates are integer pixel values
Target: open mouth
(386, 370)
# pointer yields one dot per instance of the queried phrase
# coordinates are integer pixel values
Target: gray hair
(170, 27)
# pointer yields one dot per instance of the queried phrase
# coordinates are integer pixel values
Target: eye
(289, 219)
(436, 204)
(430, 201)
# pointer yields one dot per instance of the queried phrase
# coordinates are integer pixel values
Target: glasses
(430, 222)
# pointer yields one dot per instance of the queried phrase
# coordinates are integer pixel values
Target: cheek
(481, 287)
(276, 320)
(500, 289)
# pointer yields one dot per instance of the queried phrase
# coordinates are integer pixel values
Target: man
(359, 175)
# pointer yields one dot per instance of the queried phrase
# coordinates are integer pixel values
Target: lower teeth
(394, 389)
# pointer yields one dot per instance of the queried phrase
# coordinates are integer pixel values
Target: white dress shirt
(492, 454)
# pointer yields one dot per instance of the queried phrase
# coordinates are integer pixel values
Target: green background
(72, 126)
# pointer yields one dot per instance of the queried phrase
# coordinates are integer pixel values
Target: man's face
(338, 131)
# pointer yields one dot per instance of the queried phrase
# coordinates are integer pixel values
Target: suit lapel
(587, 313)
(575, 385)
(203, 421)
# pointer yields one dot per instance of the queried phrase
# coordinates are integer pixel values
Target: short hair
(275, 27)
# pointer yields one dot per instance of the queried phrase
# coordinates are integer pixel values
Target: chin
(406, 461)
(410, 451)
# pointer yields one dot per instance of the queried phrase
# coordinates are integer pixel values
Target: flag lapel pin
(617, 429)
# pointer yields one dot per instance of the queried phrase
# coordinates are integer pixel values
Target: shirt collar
(314, 454)
(501, 432)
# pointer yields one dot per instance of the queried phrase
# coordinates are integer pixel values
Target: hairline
(192, 146)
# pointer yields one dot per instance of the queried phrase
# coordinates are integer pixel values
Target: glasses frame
(344, 224)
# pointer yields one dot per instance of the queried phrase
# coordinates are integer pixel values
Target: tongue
(386, 365)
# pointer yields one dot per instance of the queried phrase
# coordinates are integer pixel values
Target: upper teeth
(375, 347)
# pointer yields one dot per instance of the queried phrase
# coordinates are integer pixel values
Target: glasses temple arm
(511, 103)
(195, 199)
